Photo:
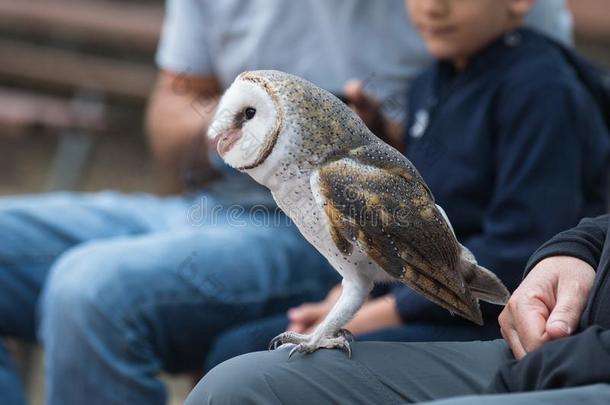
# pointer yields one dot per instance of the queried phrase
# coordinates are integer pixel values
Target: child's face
(457, 29)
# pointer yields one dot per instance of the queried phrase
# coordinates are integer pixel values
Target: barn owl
(361, 203)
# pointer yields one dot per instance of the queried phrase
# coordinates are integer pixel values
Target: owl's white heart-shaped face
(246, 124)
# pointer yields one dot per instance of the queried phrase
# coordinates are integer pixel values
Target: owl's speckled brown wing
(377, 201)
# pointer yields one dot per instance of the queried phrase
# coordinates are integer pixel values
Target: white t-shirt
(325, 41)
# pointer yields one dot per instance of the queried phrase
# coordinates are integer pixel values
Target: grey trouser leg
(598, 394)
(378, 373)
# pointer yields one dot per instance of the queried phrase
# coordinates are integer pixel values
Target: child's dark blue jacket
(514, 148)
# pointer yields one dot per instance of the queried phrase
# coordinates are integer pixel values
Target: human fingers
(571, 298)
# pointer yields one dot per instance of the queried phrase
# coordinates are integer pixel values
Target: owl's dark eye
(250, 113)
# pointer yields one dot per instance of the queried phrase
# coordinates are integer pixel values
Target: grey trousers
(447, 373)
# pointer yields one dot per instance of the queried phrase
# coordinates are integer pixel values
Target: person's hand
(547, 305)
(370, 111)
(367, 107)
(376, 314)
(306, 317)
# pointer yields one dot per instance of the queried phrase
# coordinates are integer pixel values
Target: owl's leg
(329, 333)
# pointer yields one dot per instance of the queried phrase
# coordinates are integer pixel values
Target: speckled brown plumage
(390, 213)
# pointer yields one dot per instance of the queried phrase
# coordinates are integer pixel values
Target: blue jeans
(255, 336)
(118, 287)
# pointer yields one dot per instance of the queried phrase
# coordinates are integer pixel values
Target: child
(505, 133)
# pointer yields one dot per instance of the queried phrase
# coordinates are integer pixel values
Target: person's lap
(166, 300)
(37, 229)
(439, 373)
(377, 373)
(255, 336)
(135, 263)
(597, 394)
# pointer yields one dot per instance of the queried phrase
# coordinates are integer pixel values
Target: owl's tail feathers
(486, 286)
(483, 284)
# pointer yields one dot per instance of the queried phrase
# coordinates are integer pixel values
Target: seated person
(512, 143)
(556, 349)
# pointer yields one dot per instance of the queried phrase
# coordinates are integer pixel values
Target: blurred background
(74, 79)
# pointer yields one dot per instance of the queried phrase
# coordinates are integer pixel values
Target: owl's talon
(349, 336)
(337, 342)
(298, 348)
(275, 343)
(347, 348)
(287, 337)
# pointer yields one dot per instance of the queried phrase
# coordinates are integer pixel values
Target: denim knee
(90, 331)
(82, 295)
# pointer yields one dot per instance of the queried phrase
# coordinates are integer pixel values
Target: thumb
(353, 86)
(353, 92)
(564, 317)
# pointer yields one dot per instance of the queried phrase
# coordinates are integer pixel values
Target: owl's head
(248, 121)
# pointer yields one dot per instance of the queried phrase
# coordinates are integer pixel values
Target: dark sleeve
(584, 242)
(538, 184)
(577, 360)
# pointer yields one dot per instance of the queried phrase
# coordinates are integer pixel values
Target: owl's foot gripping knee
(309, 344)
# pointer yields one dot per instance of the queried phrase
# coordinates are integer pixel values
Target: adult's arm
(572, 361)
(584, 242)
(182, 103)
(551, 299)
(180, 109)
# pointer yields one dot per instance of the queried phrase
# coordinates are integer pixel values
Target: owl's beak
(226, 141)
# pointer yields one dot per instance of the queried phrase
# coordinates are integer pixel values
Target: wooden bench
(592, 29)
(75, 121)
(591, 19)
(23, 111)
(65, 59)
(109, 23)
